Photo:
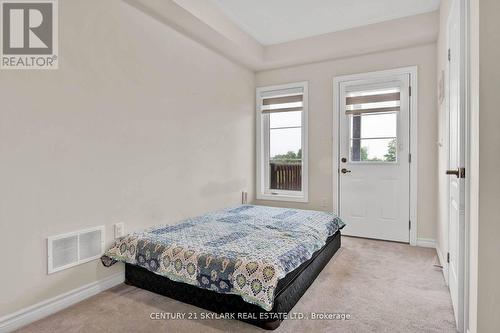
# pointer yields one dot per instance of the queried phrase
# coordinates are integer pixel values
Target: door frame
(413, 112)
(466, 13)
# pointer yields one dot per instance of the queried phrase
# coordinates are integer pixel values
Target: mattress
(244, 250)
(288, 292)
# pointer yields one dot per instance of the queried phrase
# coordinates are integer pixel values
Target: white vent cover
(75, 248)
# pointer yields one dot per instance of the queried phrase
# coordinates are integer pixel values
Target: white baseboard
(40, 310)
(426, 242)
(442, 262)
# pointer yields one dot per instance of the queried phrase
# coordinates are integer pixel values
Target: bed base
(289, 290)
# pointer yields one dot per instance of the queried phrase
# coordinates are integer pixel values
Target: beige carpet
(385, 287)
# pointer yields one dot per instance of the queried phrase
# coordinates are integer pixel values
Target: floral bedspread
(242, 250)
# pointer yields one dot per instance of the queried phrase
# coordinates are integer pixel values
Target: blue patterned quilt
(242, 250)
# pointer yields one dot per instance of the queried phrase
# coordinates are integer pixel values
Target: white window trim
(263, 193)
(369, 86)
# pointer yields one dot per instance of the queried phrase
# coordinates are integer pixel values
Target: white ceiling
(278, 21)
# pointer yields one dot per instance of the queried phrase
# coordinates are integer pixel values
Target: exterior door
(456, 161)
(374, 157)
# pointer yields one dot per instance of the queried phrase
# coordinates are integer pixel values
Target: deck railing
(286, 176)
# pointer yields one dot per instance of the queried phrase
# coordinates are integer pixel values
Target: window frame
(263, 191)
(351, 139)
(373, 86)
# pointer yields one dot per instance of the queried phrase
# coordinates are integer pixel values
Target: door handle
(344, 170)
(459, 173)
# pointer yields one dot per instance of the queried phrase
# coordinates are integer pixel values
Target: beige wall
(488, 287)
(398, 34)
(321, 130)
(140, 124)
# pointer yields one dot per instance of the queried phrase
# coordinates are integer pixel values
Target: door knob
(344, 170)
(459, 173)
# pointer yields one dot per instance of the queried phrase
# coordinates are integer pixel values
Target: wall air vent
(75, 248)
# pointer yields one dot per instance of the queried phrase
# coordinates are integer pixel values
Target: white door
(374, 157)
(456, 161)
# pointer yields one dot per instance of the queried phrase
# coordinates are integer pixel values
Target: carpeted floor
(383, 286)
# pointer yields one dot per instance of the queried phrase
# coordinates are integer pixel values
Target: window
(282, 142)
(373, 125)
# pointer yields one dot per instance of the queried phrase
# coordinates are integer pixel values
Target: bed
(251, 263)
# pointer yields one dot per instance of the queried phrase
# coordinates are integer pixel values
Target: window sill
(282, 197)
